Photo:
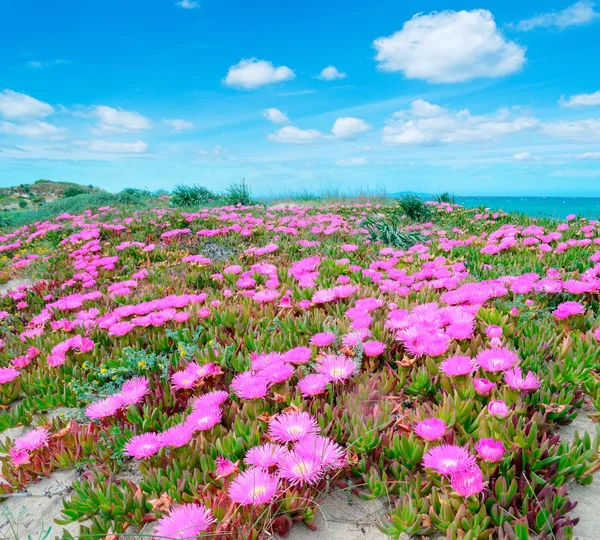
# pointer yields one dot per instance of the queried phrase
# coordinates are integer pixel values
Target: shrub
(72, 191)
(194, 195)
(22, 204)
(239, 194)
(388, 232)
(445, 197)
(413, 208)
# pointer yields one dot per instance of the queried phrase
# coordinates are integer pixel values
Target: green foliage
(239, 194)
(72, 191)
(190, 196)
(22, 203)
(445, 197)
(387, 231)
(414, 208)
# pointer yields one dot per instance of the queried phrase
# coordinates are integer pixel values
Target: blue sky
(478, 99)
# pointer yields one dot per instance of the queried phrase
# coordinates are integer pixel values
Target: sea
(554, 207)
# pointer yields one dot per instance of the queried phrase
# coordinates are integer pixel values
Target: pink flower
(330, 454)
(516, 381)
(33, 440)
(313, 384)
(490, 449)
(249, 385)
(18, 456)
(373, 349)
(277, 373)
(568, 309)
(336, 367)
(498, 359)
(493, 331)
(571, 217)
(120, 329)
(467, 482)
(8, 375)
(430, 429)
(184, 521)
(224, 467)
(177, 435)
(253, 486)
(291, 427)
(265, 296)
(298, 355)
(483, 386)
(448, 460)
(300, 469)
(323, 339)
(133, 391)
(209, 399)
(597, 333)
(265, 456)
(181, 380)
(143, 446)
(498, 408)
(204, 418)
(104, 408)
(455, 366)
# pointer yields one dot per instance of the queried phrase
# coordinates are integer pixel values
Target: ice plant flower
(514, 378)
(215, 399)
(430, 429)
(8, 375)
(204, 417)
(224, 467)
(330, 454)
(300, 469)
(373, 349)
(184, 522)
(498, 408)
(177, 435)
(497, 359)
(455, 366)
(313, 384)
(104, 408)
(291, 427)
(483, 386)
(323, 339)
(143, 446)
(33, 440)
(448, 460)
(467, 482)
(249, 385)
(265, 455)
(254, 486)
(493, 331)
(490, 449)
(337, 368)
(134, 390)
(568, 309)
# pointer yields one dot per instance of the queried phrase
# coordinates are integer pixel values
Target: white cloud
(33, 130)
(15, 105)
(253, 73)
(36, 64)
(352, 162)
(187, 4)
(113, 147)
(118, 121)
(577, 130)
(179, 125)
(581, 100)
(349, 128)
(577, 173)
(526, 156)
(447, 126)
(216, 151)
(276, 116)
(331, 73)
(294, 135)
(579, 13)
(448, 47)
(589, 155)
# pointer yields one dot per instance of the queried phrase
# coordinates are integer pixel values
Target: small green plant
(414, 208)
(188, 196)
(72, 191)
(445, 197)
(239, 194)
(388, 232)
(22, 204)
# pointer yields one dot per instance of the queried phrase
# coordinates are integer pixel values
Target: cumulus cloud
(577, 130)
(253, 73)
(349, 128)
(33, 130)
(14, 105)
(352, 162)
(118, 120)
(589, 155)
(579, 13)
(114, 147)
(448, 47)
(276, 116)
(187, 4)
(581, 100)
(526, 156)
(331, 73)
(410, 127)
(294, 135)
(179, 125)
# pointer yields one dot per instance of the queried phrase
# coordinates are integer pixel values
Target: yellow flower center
(257, 491)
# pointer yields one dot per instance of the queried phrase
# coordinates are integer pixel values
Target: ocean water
(555, 207)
